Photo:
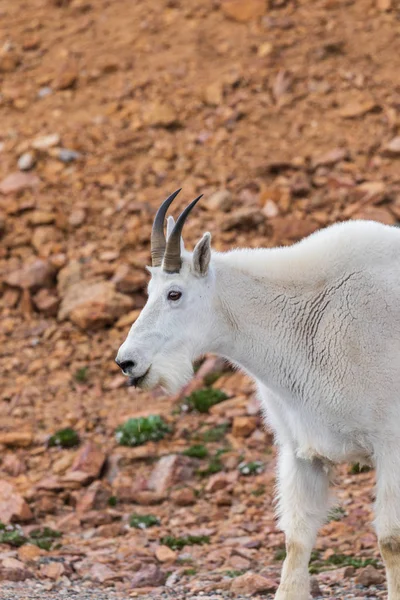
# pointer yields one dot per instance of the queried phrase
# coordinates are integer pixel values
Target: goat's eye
(174, 295)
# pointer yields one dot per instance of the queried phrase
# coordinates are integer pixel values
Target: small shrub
(189, 572)
(338, 560)
(177, 543)
(357, 468)
(203, 400)
(196, 451)
(336, 514)
(81, 375)
(14, 536)
(112, 501)
(44, 537)
(64, 438)
(251, 468)
(234, 573)
(215, 434)
(139, 431)
(143, 521)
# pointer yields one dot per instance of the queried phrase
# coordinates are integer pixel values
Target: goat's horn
(172, 257)
(158, 242)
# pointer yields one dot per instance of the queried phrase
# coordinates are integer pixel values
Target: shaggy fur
(317, 325)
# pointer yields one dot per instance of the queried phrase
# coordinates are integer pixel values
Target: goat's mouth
(139, 381)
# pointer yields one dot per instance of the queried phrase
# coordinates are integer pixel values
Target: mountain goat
(317, 325)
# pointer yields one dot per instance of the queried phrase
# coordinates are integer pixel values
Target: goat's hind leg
(388, 517)
(303, 504)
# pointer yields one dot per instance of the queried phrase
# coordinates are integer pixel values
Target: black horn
(172, 257)
(158, 242)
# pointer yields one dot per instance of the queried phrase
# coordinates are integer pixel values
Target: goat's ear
(202, 255)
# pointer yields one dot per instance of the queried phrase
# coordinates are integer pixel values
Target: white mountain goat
(317, 325)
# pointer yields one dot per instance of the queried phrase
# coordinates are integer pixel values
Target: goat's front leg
(387, 520)
(303, 503)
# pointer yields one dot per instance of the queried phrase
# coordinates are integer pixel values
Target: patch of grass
(112, 501)
(44, 537)
(196, 451)
(251, 468)
(357, 468)
(215, 434)
(234, 573)
(210, 378)
(189, 572)
(64, 438)
(81, 375)
(336, 514)
(202, 400)
(338, 560)
(259, 491)
(214, 466)
(135, 432)
(177, 543)
(143, 521)
(14, 536)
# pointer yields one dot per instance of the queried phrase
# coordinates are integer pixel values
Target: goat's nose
(125, 364)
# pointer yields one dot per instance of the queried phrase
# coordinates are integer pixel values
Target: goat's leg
(387, 520)
(303, 504)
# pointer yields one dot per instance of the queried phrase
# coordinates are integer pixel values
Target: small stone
(183, 497)
(9, 60)
(46, 302)
(150, 575)
(384, 5)
(12, 505)
(165, 554)
(44, 91)
(369, 576)
(12, 569)
(218, 481)
(67, 156)
(315, 590)
(214, 94)
(38, 274)
(88, 462)
(93, 306)
(244, 10)
(102, 573)
(392, 148)
(265, 49)
(67, 76)
(243, 219)
(329, 159)
(52, 570)
(220, 200)
(169, 470)
(96, 497)
(252, 583)
(16, 439)
(77, 217)
(26, 161)
(45, 142)
(355, 108)
(12, 465)
(244, 426)
(270, 209)
(159, 114)
(15, 182)
(29, 553)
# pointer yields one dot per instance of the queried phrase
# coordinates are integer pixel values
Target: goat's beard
(171, 372)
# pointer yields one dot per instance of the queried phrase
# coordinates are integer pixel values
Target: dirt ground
(285, 115)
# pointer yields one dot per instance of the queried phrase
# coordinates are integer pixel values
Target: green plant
(215, 434)
(259, 491)
(196, 451)
(177, 543)
(112, 501)
(44, 537)
(234, 572)
(214, 466)
(280, 554)
(64, 438)
(336, 514)
(135, 432)
(143, 521)
(81, 375)
(202, 400)
(251, 468)
(356, 468)
(338, 560)
(190, 571)
(210, 378)
(14, 536)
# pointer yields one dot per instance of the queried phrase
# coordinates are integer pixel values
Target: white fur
(317, 325)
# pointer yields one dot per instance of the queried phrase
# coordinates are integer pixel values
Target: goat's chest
(311, 434)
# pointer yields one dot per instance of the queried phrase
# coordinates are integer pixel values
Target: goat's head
(173, 327)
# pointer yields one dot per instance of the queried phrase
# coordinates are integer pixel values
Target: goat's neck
(257, 322)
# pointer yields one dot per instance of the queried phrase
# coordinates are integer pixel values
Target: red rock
(336, 575)
(12, 465)
(52, 570)
(165, 554)
(220, 200)
(252, 583)
(15, 182)
(12, 505)
(95, 497)
(329, 159)
(9, 60)
(183, 497)
(369, 576)
(160, 114)
(38, 274)
(150, 575)
(16, 439)
(392, 148)
(87, 464)
(67, 76)
(375, 213)
(169, 470)
(30, 553)
(12, 569)
(244, 426)
(46, 302)
(220, 481)
(93, 306)
(102, 573)
(77, 217)
(244, 10)
(357, 108)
